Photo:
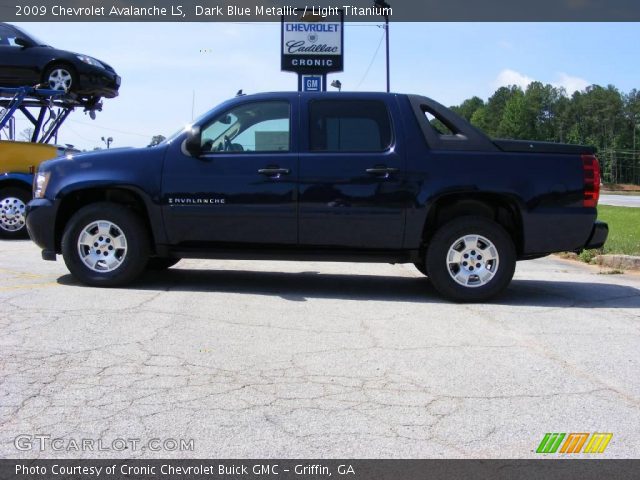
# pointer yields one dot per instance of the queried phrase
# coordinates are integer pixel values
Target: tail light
(591, 171)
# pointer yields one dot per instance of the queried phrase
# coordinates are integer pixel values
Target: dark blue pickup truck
(367, 177)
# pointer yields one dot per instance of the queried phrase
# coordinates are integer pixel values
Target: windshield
(35, 40)
(183, 129)
(173, 136)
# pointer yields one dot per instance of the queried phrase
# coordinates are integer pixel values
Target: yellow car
(18, 162)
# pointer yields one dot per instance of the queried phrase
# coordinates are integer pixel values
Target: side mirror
(192, 144)
(23, 42)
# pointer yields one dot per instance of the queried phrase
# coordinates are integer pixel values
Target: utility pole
(384, 5)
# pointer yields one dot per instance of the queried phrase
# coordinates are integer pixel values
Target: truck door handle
(274, 171)
(381, 170)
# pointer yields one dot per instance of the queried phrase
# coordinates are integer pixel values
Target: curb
(620, 262)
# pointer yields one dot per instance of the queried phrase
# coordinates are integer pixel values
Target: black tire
(132, 260)
(62, 67)
(13, 201)
(422, 268)
(161, 263)
(482, 285)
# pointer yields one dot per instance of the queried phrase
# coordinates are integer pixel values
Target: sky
(172, 72)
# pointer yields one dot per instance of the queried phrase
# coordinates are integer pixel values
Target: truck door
(242, 188)
(352, 190)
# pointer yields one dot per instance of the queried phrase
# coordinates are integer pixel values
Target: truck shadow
(301, 286)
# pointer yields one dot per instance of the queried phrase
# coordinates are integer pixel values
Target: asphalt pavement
(287, 359)
(620, 200)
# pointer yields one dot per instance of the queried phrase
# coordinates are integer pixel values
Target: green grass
(624, 229)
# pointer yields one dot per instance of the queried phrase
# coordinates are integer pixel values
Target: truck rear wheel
(105, 245)
(471, 259)
(13, 203)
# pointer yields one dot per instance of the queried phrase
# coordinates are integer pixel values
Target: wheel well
(76, 200)
(57, 62)
(495, 207)
(13, 183)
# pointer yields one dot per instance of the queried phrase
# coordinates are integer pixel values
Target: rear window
(349, 126)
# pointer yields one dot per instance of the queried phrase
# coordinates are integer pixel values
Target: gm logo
(573, 443)
(311, 83)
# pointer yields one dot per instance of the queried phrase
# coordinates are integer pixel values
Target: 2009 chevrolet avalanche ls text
(370, 177)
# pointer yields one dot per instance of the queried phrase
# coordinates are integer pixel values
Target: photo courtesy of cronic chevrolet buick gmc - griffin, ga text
(369, 177)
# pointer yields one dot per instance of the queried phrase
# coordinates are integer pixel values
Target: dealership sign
(312, 44)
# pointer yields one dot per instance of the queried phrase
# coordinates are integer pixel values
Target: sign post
(312, 47)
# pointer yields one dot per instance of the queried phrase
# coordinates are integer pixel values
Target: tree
(515, 121)
(469, 107)
(156, 139)
(599, 116)
(26, 134)
(490, 119)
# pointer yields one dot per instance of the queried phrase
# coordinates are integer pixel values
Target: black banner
(312, 63)
(354, 10)
(319, 469)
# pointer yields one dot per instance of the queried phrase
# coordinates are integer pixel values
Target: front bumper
(41, 225)
(599, 235)
(98, 81)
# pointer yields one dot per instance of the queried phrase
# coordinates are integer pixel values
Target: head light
(90, 61)
(40, 183)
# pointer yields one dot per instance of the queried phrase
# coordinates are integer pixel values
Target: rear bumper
(599, 235)
(41, 215)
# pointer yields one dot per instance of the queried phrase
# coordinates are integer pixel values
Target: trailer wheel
(13, 203)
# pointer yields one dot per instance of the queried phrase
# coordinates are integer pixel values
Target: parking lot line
(21, 274)
(29, 285)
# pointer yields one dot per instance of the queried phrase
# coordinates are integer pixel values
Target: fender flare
(16, 179)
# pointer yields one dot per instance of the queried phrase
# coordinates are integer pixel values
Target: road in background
(620, 200)
(289, 359)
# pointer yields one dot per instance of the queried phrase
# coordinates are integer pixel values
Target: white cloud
(509, 77)
(570, 83)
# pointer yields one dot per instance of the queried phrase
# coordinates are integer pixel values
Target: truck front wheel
(13, 202)
(105, 245)
(471, 259)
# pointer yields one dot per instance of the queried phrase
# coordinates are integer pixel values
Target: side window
(252, 127)
(439, 125)
(7, 37)
(349, 126)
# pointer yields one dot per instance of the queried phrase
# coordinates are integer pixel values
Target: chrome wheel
(60, 79)
(102, 246)
(12, 211)
(472, 261)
